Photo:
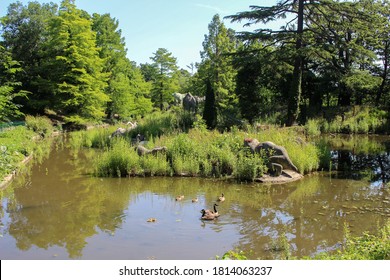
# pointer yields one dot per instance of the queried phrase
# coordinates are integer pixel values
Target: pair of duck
(212, 215)
(181, 197)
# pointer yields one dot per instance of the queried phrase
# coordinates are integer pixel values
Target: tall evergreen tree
(210, 111)
(73, 69)
(289, 33)
(218, 46)
(163, 85)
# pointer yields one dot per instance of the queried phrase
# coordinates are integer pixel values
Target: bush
(39, 124)
(249, 167)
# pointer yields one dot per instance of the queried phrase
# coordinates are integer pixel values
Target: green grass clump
(313, 127)
(356, 120)
(119, 161)
(15, 145)
(39, 124)
(198, 152)
(249, 167)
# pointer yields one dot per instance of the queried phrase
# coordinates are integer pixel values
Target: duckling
(221, 198)
(195, 199)
(180, 197)
(152, 220)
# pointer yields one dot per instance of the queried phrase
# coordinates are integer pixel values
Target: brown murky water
(58, 211)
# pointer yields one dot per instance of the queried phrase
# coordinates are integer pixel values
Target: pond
(57, 210)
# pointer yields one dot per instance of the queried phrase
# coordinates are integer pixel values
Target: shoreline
(8, 179)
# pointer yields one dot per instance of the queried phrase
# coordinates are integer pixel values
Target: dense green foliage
(329, 54)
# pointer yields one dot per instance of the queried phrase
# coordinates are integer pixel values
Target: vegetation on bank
(355, 120)
(365, 247)
(368, 246)
(17, 143)
(194, 152)
(59, 58)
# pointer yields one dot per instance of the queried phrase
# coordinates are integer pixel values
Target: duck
(195, 199)
(180, 197)
(207, 215)
(151, 220)
(210, 215)
(221, 198)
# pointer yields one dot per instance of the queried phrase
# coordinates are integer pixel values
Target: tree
(8, 87)
(254, 81)
(73, 68)
(210, 112)
(218, 46)
(163, 84)
(287, 34)
(25, 34)
(128, 91)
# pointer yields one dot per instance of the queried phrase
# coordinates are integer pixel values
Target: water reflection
(362, 157)
(57, 210)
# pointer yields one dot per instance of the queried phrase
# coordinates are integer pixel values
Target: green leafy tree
(24, 31)
(165, 66)
(128, 91)
(218, 46)
(9, 109)
(261, 75)
(73, 68)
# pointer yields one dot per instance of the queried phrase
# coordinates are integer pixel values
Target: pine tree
(163, 85)
(218, 46)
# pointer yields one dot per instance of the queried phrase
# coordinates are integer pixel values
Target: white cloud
(214, 8)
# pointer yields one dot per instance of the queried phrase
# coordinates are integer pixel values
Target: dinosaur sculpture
(277, 155)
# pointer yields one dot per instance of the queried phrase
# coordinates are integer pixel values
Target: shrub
(248, 167)
(39, 124)
(312, 127)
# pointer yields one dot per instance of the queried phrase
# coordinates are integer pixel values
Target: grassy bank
(193, 152)
(355, 120)
(17, 143)
(365, 247)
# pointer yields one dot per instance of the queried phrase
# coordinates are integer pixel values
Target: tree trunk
(296, 84)
(384, 76)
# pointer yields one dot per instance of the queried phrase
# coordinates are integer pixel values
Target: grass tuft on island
(194, 152)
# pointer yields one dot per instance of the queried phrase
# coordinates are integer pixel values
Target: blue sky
(177, 25)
